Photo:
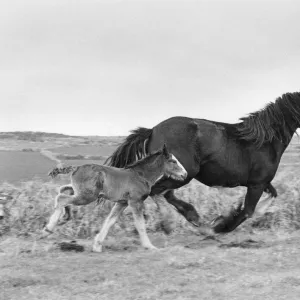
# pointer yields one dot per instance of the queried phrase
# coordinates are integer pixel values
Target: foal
(126, 187)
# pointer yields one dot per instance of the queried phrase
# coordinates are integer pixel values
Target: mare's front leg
(111, 219)
(186, 209)
(166, 188)
(224, 224)
(137, 207)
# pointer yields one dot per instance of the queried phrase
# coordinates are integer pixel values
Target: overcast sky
(105, 67)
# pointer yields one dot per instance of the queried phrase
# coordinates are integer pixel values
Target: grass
(176, 271)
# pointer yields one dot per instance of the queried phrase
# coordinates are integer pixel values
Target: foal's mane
(275, 121)
(145, 160)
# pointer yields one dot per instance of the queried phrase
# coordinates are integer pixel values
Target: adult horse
(220, 154)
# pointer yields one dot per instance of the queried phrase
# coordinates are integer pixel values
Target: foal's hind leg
(61, 201)
(109, 221)
(59, 211)
(67, 214)
(139, 222)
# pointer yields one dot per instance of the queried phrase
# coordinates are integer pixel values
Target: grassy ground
(257, 266)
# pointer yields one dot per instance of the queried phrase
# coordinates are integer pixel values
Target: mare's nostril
(1, 217)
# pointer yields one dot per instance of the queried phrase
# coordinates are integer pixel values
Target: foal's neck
(150, 171)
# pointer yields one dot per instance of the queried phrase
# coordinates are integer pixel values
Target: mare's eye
(173, 161)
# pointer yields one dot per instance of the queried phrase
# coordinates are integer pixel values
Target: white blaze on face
(184, 172)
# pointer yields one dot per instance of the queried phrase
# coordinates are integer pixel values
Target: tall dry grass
(33, 202)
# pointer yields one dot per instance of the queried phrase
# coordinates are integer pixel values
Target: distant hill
(31, 135)
(41, 136)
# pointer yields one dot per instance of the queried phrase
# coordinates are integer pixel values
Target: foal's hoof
(45, 233)
(97, 249)
(150, 247)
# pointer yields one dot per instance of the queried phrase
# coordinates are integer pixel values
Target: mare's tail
(132, 149)
(65, 170)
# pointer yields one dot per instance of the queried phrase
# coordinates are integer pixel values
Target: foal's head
(171, 166)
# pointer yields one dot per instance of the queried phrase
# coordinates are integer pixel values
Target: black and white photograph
(149, 149)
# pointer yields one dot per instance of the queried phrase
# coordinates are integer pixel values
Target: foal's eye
(173, 161)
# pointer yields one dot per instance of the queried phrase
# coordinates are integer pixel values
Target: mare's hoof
(219, 225)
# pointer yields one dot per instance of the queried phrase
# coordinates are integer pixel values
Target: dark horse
(129, 186)
(220, 154)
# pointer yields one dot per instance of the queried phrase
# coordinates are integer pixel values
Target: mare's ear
(165, 151)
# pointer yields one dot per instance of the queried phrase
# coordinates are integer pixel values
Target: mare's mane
(274, 121)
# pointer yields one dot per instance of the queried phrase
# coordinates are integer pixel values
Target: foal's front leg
(139, 222)
(109, 221)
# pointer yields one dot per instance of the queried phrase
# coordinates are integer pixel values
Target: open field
(16, 166)
(259, 260)
(256, 266)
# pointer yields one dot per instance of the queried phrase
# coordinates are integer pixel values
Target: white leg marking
(1, 210)
(139, 222)
(109, 221)
(61, 200)
(59, 211)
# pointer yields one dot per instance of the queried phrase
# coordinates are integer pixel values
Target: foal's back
(112, 183)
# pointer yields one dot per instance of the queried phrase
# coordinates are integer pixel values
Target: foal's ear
(165, 151)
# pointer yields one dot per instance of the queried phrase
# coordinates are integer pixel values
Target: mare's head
(172, 167)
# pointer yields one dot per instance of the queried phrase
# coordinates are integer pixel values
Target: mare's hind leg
(224, 224)
(139, 222)
(113, 216)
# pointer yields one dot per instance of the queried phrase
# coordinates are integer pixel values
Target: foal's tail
(65, 170)
(133, 148)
